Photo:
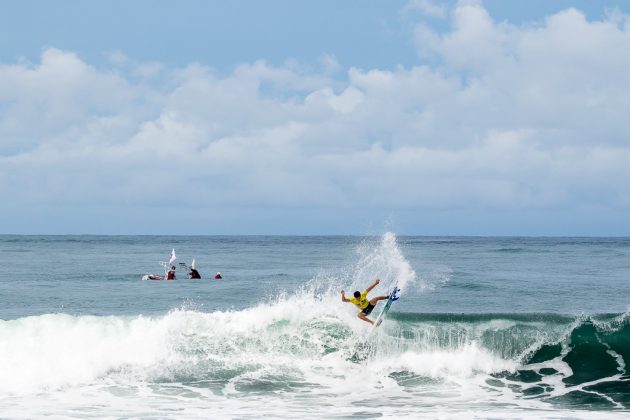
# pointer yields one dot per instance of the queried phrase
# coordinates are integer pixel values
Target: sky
(315, 117)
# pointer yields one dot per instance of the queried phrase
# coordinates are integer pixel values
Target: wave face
(305, 350)
(563, 361)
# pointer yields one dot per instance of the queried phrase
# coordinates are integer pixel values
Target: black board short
(368, 309)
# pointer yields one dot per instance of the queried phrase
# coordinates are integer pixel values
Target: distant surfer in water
(360, 301)
(218, 276)
(170, 275)
(194, 274)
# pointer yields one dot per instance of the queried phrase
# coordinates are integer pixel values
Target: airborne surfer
(360, 301)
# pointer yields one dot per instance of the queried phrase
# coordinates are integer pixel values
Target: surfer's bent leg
(365, 318)
(377, 298)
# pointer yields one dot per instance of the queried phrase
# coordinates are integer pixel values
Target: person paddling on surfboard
(360, 301)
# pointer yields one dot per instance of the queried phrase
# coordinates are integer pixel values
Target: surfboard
(388, 304)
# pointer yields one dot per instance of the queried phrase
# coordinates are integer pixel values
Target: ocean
(486, 327)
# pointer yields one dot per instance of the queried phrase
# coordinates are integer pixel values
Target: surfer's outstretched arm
(343, 296)
(377, 281)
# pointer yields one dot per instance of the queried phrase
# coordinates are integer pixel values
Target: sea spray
(384, 261)
(375, 259)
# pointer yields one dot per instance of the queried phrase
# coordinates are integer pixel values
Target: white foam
(52, 351)
(62, 364)
(298, 332)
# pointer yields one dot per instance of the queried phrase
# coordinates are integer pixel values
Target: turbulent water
(486, 327)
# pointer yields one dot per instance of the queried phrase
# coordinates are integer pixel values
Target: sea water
(485, 327)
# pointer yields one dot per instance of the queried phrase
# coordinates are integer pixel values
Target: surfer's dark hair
(357, 294)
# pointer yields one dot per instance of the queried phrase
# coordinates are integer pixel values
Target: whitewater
(82, 336)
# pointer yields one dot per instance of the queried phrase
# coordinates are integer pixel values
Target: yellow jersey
(362, 302)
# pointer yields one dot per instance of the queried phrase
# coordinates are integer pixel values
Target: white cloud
(511, 118)
(147, 70)
(345, 102)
